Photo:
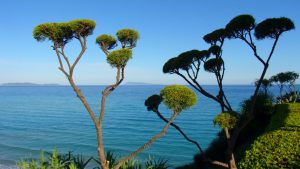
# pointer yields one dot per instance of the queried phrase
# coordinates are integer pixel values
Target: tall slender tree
(60, 34)
(242, 27)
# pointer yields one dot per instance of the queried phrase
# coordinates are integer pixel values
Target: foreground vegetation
(279, 146)
(55, 160)
(249, 123)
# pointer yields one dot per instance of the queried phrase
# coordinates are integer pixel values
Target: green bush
(55, 160)
(280, 146)
(278, 149)
(226, 120)
(119, 58)
(178, 98)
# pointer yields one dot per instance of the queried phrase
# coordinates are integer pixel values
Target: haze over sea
(44, 117)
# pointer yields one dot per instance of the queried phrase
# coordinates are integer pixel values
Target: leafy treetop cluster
(61, 33)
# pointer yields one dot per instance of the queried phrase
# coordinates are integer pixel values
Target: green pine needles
(178, 98)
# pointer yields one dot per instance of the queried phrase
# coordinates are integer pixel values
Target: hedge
(279, 147)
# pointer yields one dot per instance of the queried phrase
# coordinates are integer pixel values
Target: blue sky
(166, 27)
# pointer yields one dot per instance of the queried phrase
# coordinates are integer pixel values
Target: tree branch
(161, 134)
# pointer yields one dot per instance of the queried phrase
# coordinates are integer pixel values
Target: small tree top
(226, 120)
(213, 65)
(62, 33)
(119, 58)
(178, 98)
(82, 27)
(128, 37)
(170, 66)
(107, 42)
(184, 60)
(215, 36)
(239, 25)
(285, 77)
(265, 82)
(273, 27)
(153, 102)
(215, 50)
(56, 32)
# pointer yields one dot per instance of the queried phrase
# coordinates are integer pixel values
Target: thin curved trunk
(159, 135)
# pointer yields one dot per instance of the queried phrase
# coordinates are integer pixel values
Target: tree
(188, 64)
(285, 79)
(60, 34)
(265, 84)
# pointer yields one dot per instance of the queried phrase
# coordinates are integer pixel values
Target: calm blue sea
(35, 118)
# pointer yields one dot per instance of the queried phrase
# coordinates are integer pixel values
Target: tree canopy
(273, 27)
(61, 33)
(178, 98)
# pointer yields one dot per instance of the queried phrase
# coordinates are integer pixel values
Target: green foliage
(178, 98)
(151, 163)
(280, 146)
(55, 160)
(184, 60)
(278, 149)
(82, 27)
(62, 33)
(119, 58)
(215, 50)
(128, 37)
(213, 65)
(226, 120)
(170, 66)
(273, 27)
(285, 77)
(153, 102)
(286, 116)
(156, 164)
(107, 42)
(58, 33)
(240, 25)
(215, 36)
(263, 105)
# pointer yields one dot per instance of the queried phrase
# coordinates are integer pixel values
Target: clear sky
(166, 27)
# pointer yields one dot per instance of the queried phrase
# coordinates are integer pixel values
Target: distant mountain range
(27, 84)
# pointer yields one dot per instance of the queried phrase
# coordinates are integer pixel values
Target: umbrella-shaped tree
(188, 64)
(60, 34)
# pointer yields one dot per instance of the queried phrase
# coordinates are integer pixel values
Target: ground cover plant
(279, 147)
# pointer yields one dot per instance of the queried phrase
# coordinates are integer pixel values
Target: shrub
(278, 149)
(280, 146)
(178, 98)
(226, 120)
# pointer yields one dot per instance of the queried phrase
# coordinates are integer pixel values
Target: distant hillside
(27, 84)
(138, 83)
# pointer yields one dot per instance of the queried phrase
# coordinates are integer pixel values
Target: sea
(35, 118)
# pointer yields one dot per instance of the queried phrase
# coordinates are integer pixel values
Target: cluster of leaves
(55, 161)
(184, 60)
(285, 78)
(280, 146)
(120, 57)
(242, 25)
(178, 98)
(62, 33)
(175, 97)
(263, 106)
(151, 163)
(226, 120)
